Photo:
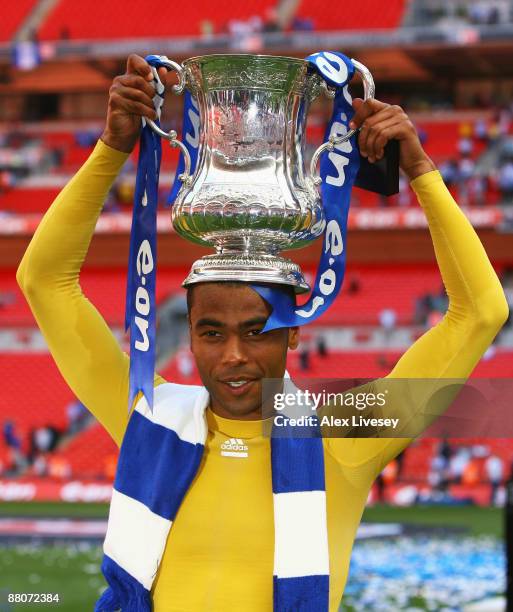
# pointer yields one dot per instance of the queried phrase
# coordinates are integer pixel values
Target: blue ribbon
(338, 172)
(191, 138)
(140, 292)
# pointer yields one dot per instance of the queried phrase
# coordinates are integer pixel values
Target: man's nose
(233, 351)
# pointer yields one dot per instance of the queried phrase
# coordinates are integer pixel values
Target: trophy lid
(199, 59)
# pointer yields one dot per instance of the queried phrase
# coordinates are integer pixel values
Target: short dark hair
(190, 291)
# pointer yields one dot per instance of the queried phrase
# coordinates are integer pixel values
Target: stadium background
(449, 63)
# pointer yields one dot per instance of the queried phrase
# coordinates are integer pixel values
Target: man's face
(231, 354)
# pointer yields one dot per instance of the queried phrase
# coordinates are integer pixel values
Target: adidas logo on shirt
(234, 447)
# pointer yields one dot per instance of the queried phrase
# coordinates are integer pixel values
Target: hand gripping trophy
(207, 512)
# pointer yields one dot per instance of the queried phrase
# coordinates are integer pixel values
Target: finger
(136, 82)
(136, 95)
(379, 136)
(357, 103)
(401, 130)
(369, 127)
(138, 65)
(384, 113)
(363, 110)
(120, 104)
(163, 72)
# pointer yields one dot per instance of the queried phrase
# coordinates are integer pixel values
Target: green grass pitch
(73, 570)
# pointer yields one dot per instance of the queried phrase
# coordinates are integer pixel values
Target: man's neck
(254, 415)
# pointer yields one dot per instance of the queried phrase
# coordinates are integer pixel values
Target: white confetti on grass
(424, 573)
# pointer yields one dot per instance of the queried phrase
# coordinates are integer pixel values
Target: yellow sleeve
(82, 345)
(477, 310)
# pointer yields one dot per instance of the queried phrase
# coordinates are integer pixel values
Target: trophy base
(247, 269)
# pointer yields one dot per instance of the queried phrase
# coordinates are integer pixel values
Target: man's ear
(293, 338)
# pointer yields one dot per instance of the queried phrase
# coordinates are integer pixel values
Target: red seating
(15, 311)
(13, 16)
(106, 289)
(442, 138)
(353, 14)
(89, 452)
(76, 156)
(500, 365)
(116, 19)
(58, 139)
(417, 459)
(23, 200)
(382, 287)
(35, 394)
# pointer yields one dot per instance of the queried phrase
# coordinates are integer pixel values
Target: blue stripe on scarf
(152, 457)
(304, 594)
(300, 466)
(124, 593)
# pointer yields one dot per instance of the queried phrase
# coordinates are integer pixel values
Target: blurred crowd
(25, 154)
(35, 454)
(468, 464)
(484, 161)
(480, 172)
(19, 157)
(475, 12)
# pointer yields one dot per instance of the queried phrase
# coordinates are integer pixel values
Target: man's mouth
(236, 383)
(238, 386)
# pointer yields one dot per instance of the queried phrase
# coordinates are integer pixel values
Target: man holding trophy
(268, 525)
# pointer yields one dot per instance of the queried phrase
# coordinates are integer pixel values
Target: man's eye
(255, 332)
(211, 333)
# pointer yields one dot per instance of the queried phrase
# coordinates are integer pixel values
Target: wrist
(418, 168)
(124, 144)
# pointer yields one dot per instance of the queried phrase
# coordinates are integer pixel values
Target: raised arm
(477, 305)
(82, 345)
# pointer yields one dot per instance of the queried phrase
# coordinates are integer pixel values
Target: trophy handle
(369, 90)
(172, 136)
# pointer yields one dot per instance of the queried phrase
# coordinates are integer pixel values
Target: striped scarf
(166, 446)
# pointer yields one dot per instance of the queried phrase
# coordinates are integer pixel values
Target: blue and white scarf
(160, 456)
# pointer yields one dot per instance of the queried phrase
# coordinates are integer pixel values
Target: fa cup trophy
(249, 196)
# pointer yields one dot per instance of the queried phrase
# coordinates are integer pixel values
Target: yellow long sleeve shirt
(219, 552)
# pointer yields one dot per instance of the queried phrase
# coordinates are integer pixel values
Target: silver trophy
(250, 197)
